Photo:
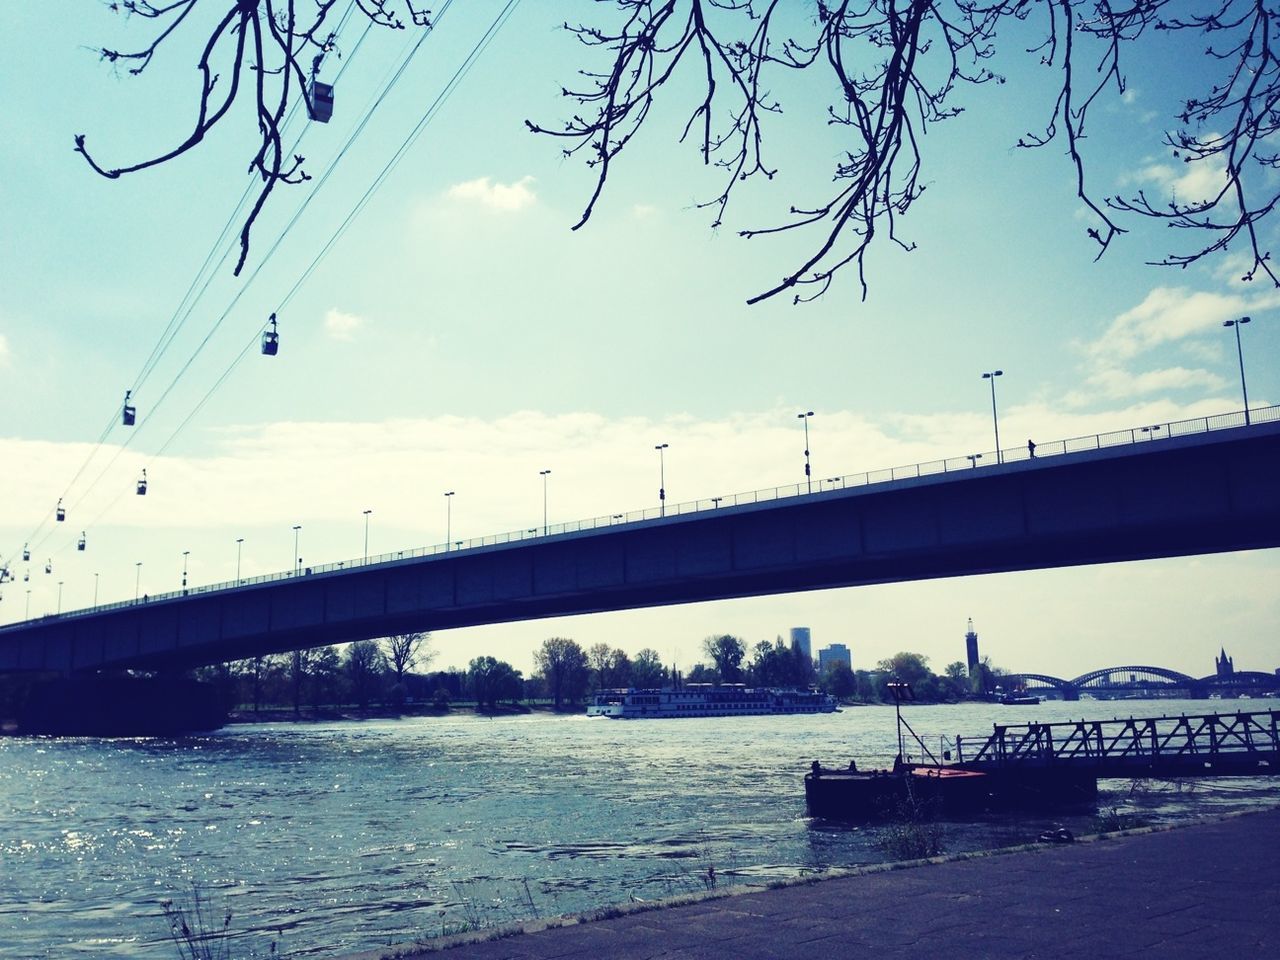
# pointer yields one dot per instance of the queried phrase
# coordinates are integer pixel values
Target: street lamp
(833, 481)
(1240, 355)
(297, 560)
(544, 474)
(973, 458)
(448, 519)
(807, 477)
(716, 501)
(662, 479)
(26, 614)
(95, 589)
(366, 535)
(137, 581)
(239, 547)
(59, 596)
(1152, 430)
(994, 419)
(185, 554)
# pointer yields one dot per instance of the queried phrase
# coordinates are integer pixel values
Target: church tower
(1225, 665)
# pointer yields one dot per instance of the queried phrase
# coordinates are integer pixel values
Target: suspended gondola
(60, 513)
(129, 415)
(271, 339)
(80, 542)
(142, 483)
(48, 566)
(26, 552)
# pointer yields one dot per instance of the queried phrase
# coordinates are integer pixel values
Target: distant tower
(1225, 665)
(971, 648)
(800, 638)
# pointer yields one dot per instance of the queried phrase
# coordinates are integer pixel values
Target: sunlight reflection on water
(347, 836)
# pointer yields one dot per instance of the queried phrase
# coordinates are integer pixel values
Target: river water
(338, 837)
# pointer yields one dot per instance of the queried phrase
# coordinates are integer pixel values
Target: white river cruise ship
(706, 700)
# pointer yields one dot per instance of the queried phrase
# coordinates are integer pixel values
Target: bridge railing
(1205, 735)
(1150, 433)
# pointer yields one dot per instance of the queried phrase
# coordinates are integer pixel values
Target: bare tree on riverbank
(404, 651)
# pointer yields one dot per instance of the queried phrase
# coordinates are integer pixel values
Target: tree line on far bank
(390, 674)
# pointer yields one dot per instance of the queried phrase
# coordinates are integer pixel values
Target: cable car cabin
(320, 101)
(80, 542)
(60, 514)
(48, 567)
(142, 484)
(130, 413)
(26, 552)
(271, 339)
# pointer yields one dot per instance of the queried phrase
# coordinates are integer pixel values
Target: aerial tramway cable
(167, 336)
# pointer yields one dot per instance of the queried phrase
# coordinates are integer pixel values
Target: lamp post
(137, 581)
(239, 546)
(994, 419)
(833, 481)
(448, 519)
(26, 614)
(544, 474)
(185, 554)
(973, 458)
(716, 501)
(366, 535)
(59, 596)
(1152, 431)
(95, 589)
(1240, 355)
(662, 479)
(808, 479)
(297, 561)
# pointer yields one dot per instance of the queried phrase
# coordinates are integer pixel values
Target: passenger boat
(706, 700)
(1019, 700)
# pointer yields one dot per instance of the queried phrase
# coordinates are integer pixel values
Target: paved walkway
(1208, 891)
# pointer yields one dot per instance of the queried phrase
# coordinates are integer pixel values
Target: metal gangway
(1204, 745)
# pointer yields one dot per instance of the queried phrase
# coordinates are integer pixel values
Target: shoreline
(585, 919)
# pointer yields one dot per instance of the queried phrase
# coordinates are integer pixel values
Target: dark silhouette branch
(894, 67)
(265, 39)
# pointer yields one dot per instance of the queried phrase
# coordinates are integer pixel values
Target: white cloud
(507, 197)
(643, 211)
(1118, 384)
(1168, 314)
(1187, 182)
(342, 326)
(5, 353)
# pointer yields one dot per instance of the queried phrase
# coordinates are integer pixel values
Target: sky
(460, 336)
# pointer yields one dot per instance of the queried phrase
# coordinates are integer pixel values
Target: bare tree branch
(265, 39)
(894, 67)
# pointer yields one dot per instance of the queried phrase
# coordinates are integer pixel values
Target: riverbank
(1198, 891)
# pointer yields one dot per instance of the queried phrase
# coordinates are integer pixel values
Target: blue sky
(460, 337)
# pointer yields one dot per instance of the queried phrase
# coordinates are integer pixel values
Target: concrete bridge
(1195, 487)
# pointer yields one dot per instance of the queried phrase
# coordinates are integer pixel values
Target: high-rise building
(800, 638)
(828, 657)
(971, 648)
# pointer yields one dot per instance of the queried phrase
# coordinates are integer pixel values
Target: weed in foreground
(201, 932)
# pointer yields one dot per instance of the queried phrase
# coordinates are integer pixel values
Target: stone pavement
(1208, 891)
